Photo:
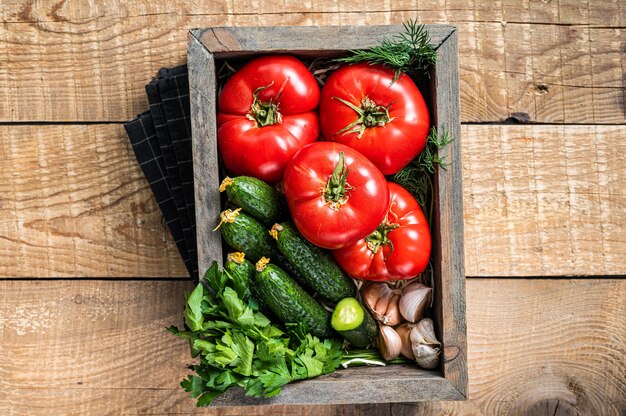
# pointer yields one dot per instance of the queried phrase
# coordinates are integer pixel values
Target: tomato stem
(264, 113)
(335, 193)
(380, 236)
(369, 115)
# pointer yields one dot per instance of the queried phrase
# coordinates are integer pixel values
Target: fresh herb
(363, 357)
(409, 52)
(238, 346)
(416, 177)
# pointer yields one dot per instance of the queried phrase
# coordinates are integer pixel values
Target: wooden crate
(363, 384)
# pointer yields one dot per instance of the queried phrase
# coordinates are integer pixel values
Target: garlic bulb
(389, 342)
(382, 301)
(415, 300)
(424, 344)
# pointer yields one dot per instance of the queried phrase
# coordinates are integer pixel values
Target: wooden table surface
(90, 277)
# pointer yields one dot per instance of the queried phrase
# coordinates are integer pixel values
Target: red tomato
(362, 107)
(265, 115)
(399, 248)
(336, 196)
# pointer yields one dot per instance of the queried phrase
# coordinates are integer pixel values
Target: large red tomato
(336, 196)
(265, 115)
(363, 107)
(399, 248)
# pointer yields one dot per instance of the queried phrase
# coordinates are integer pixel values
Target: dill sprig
(429, 158)
(409, 52)
(416, 177)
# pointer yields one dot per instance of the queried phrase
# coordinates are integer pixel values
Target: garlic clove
(404, 331)
(382, 301)
(391, 315)
(426, 356)
(371, 293)
(416, 336)
(415, 299)
(427, 329)
(424, 344)
(389, 342)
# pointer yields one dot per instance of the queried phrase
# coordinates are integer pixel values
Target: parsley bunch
(239, 346)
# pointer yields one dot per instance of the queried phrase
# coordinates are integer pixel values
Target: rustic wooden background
(89, 277)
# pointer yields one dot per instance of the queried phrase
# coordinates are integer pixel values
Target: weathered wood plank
(224, 41)
(205, 157)
(531, 343)
(539, 347)
(537, 200)
(571, 12)
(376, 385)
(447, 257)
(551, 61)
(88, 347)
(73, 202)
(544, 200)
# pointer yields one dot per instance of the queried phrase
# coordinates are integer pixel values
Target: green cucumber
(317, 268)
(354, 323)
(241, 272)
(256, 197)
(244, 233)
(288, 301)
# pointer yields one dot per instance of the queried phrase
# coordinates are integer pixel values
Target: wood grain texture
(447, 257)
(89, 347)
(205, 157)
(537, 201)
(226, 41)
(559, 62)
(376, 385)
(533, 346)
(544, 200)
(73, 202)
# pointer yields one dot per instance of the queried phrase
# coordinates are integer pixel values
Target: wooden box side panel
(205, 159)
(231, 40)
(392, 384)
(449, 252)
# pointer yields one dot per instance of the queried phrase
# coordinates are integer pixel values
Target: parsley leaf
(194, 385)
(193, 311)
(244, 348)
(214, 278)
(237, 311)
(312, 365)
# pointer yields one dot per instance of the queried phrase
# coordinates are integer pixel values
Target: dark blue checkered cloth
(161, 141)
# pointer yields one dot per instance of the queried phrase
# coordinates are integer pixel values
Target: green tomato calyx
(380, 236)
(336, 192)
(369, 115)
(264, 113)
